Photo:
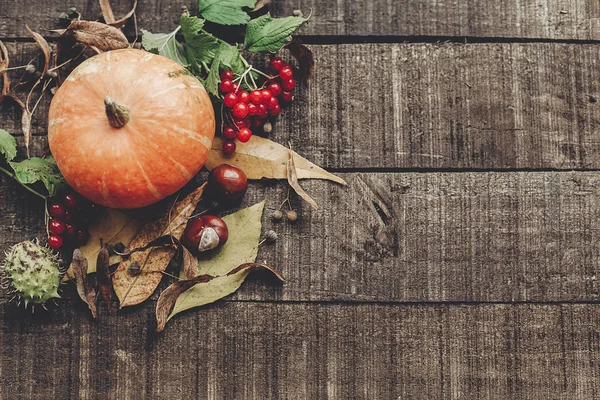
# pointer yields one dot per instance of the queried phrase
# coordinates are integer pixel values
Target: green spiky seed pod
(32, 272)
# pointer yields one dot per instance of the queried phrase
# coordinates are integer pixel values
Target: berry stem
(263, 74)
(12, 175)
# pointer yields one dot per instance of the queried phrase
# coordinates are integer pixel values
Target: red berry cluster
(251, 110)
(69, 219)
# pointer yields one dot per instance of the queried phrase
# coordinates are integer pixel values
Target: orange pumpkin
(128, 128)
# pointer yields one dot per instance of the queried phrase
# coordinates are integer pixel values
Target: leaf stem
(12, 175)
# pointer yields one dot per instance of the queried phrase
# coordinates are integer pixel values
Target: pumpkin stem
(118, 115)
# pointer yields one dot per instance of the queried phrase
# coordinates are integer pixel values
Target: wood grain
(560, 19)
(304, 351)
(478, 106)
(415, 237)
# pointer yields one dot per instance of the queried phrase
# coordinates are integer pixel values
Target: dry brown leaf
(169, 296)
(262, 158)
(43, 45)
(292, 178)
(103, 275)
(97, 35)
(109, 16)
(79, 266)
(26, 127)
(304, 56)
(132, 289)
(260, 4)
(4, 61)
(185, 259)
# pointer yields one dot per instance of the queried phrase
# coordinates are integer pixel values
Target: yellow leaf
(262, 158)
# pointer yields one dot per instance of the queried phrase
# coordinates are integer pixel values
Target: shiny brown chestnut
(227, 183)
(205, 233)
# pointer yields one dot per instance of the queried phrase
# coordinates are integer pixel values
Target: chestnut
(227, 183)
(205, 233)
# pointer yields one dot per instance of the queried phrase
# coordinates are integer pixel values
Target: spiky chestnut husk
(32, 272)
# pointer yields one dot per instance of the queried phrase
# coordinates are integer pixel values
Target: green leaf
(225, 12)
(201, 46)
(227, 55)
(267, 34)
(8, 145)
(241, 248)
(39, 169)
(164, 44)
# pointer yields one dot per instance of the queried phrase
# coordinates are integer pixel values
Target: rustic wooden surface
(461, 262)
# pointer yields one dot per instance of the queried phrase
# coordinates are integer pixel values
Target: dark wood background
(461, 262)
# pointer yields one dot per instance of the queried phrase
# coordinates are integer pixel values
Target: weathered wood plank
(436, 237)
(499, 106)
(305, 351)
(561, 19)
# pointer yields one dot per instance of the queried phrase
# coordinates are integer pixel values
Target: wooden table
(461, 262)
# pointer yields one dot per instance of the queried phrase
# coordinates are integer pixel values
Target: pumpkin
(128, 128)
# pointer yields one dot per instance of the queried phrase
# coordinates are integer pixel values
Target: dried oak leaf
(134, 289)
(262, 158)
(103, 275)
(304, 56)
(292, 177)
(109, 16)
(43, 45)
(192, 294)
(79, 266)
(4, 61)
(111, 227)
(97, 35)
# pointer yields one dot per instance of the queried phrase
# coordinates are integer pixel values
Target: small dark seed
(119, 247)
(134, 269)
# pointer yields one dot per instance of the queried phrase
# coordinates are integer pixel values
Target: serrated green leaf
(37, 169)
(227, 55)
(201, 47)
(164, 44)
(241, 248)
(267, 34)
(8, 145)
(225, 12)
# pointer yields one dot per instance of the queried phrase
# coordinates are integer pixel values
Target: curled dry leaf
(43, 45)
(292, 178)
(205, 292)
(185, 259)
(262, 158)
(79, 266)
(109, 16)
(97, 35)
(134, 289)
(167, 298)
(4, 61)
(103, 275)
(304, 56)
(111, 227)
(261, 4)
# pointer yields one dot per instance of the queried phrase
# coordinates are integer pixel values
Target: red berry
(244, 135)
(236, 86)
(274, 88)
(265, 96)
(242, 123)
(226, 75)
(71, 200)
(68, 217)
(226, 86)
(247, 122)
(228, 146)
(81, 236)
(286, 97)
(273, 102)
(255, 97)
(70, 230)
(56, 210)
(55, 241)
(244, 96)
(275, 111)
(262, 111)
(276, 64)
(230, 99)
(286, 73)
(252, 109)
(56, 226)
(229, 132)
(240, 110)
(258, 122)
(288, 85)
